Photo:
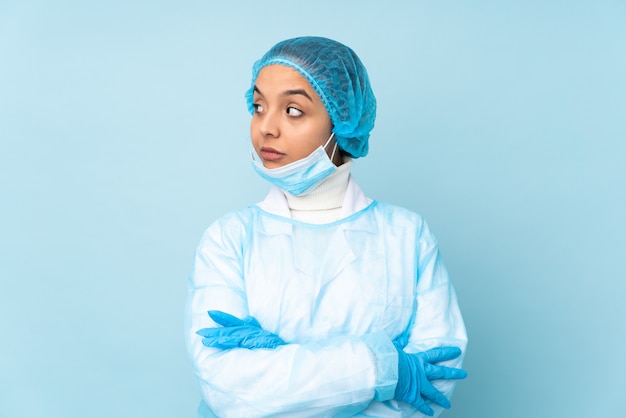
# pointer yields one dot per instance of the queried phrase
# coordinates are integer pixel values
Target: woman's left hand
(237, 333)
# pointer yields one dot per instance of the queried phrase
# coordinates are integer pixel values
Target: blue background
(124, 133)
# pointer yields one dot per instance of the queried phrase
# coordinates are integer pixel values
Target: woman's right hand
(237, 333)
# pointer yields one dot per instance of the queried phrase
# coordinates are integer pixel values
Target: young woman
(319, 301)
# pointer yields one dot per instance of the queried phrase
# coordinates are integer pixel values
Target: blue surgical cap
(339, 78)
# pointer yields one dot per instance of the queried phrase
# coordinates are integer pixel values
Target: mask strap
(329, 139)
(334, 147)
(333, 155)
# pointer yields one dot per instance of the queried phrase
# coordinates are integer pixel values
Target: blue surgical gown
(337, 293)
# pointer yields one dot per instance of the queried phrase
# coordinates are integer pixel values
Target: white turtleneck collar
(322, 205)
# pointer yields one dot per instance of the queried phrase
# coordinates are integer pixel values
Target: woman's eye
(257, 108)
(292, 111)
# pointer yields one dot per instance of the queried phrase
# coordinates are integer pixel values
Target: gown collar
(276, 203)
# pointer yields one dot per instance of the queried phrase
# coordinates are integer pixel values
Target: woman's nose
(269, 124)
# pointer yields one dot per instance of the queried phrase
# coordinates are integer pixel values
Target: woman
(321, 301)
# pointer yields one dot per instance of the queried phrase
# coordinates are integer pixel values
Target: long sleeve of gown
(437, 321)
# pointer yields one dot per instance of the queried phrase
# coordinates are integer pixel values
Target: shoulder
(230, 226)
(399, 215)
(404, 220)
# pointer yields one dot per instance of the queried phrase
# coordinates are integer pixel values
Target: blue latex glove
(416, 371)
(235, 332)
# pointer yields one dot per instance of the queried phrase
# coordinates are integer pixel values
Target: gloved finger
(233, 332)
(261, 337)
(224, 319)
(224, 343)
(261, 341)
(228, 320)
(434, 372)
(435, 355)
(424, 408)
(242, 336)
(250, 320)
(213, 332)
(432, 394)
(231, 337)
(250, 341)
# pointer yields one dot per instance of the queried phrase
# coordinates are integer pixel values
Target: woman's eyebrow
(288, 92)
(297, 91)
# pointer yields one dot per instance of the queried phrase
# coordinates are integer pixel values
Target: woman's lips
(270, 154)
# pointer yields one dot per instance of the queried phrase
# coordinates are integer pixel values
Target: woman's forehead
(282, 80)
(280, 77)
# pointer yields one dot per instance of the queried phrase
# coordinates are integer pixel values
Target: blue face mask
(299, 177)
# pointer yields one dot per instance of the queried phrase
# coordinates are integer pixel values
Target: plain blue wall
(123, 134)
